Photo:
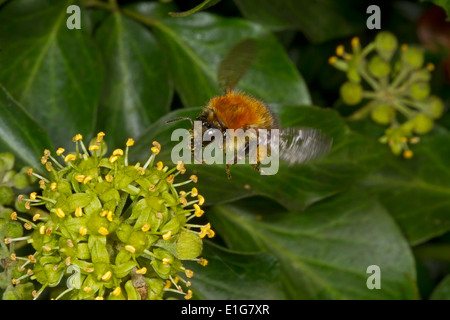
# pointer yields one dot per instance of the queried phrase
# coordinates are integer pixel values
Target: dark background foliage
(309, 232)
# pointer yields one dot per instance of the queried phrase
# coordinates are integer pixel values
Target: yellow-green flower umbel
(397, 90)
(119, 231)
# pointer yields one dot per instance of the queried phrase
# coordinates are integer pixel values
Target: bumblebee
(238, 110)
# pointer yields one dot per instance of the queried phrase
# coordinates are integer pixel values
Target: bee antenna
(178, 119)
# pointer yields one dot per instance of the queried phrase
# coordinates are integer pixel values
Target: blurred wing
(299, 145)
(236, 63)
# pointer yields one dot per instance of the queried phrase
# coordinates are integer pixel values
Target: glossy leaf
(54, 72)
(232, 275)
(416, 192)
(19, 133)
(326, 250)
(351, 158)
(137, 90)
(196, 44)
(337, 18)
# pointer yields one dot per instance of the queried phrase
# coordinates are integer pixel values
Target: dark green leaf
(137, 90)
(202, 6)
(442, 291)
(325, 251)
(416, 192)
(195, 45)
(320, 20)
(351, 158)
(19, 133)
(232, 275)
(54, 72)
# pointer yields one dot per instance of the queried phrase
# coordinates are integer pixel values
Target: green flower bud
(189, 246)
(351, 93)
(156, 287)
(21, 181)
(419, 90)
(423, 124)
(13, 229)
(386, 44)
(435, 107)
(138, 241)
(6, 195)
(379, 67)
(10, 294)
(3, 223)
(412, 57)
(6, 161)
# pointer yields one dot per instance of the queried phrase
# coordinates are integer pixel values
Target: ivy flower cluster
(394, 82)
(112, 230)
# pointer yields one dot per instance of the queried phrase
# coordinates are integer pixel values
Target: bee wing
(236, 63)
(299, 145)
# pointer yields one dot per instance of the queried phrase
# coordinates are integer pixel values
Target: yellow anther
(404, 47)
(47, 248)
(78, 212)
(355, 42)
(83, 231)
(170, 178)
(60, 213)
(89, 270)
(13, 256)
(32, 258)
(340, 50)
(118, 152)
(404, 139)
(180, 165)
(44, 159)
(107, 276)
(36, 217)
(193, 178)
(77, 137)
(27, 226)
(201, 200)
(103, 231)
(87, 179)
(166, 261)
(430, 66)
(117, 291)
(110, 215)
(194, 192)
(109, 178)
(142, 270)
(49, 230)
(60, 151)
(168, 284)
(70, 157)
(130, 142)
(103, 213)
(332, 60)
(146, 227)
(183, 201)
(156, 147)
(69, 243)
(167, 235)
(113, 158)
(28, 205)
(159, 166)
(47, 152)
(53, 186)
(94, 147)
(414, 140)
(152, 188)
(130, 248)
(67, 261)
(33, 195)
(198, 211)
(87, 289)
(141, 171)
(30, 171)
(13, 216)
(188, 295)
(48, 166)
(42, 229)
(189, 273)
(101, 134)
(408, 154)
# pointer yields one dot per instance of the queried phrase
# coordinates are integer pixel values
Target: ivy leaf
(325, 251)
(54, 72)
(196, 44)
(351, 158)
(232, 275)
(137, 90)
(19, 133)
(337, 19)
(442, 291)
(417, 191)
(202, 6)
